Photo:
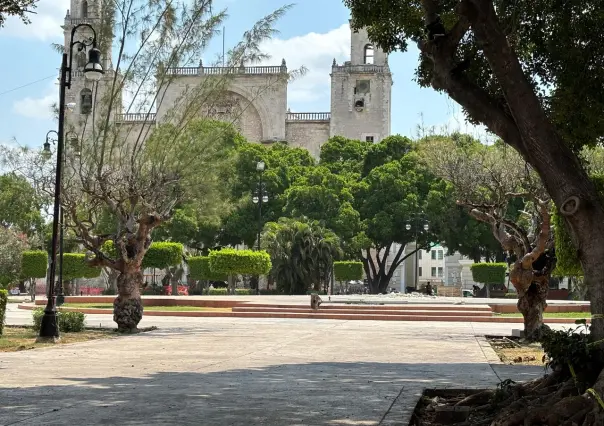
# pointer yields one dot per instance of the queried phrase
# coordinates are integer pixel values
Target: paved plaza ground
(241, 371)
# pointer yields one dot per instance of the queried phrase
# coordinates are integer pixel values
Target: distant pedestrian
(429, 289)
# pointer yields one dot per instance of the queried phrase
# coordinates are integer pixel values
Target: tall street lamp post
(416, 227)
(92, 71)
(260, 197)
(73, 138)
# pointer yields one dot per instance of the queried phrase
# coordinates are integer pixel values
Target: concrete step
(414, 307)
(405, 312)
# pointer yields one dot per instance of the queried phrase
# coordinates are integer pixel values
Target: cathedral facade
(255, 95)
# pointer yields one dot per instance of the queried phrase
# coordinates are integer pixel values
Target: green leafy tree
(199, 270)
(522, 69)
(12, 246)
(302, 254)
(34, 264)
(283, 167)
(19, 205)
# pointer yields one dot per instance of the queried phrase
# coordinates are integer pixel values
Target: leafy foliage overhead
(549, 38)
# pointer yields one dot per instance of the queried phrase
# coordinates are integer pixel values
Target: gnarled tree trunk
(531, 304)
(128, 306)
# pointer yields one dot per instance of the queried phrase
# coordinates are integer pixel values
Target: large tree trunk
(532, 304)
(128, 306)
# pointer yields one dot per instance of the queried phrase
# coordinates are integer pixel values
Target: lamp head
(260, 166)
(426, 227)
(255, 199)
(94, 70)
(265, 198)
(408, 227)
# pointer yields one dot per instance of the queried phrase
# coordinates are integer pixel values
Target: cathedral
(360, 95)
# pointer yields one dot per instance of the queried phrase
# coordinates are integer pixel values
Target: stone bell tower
(86, 95)
(361, 91)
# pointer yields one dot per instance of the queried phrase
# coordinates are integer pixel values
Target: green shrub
(75, 266)
(489, 273)
(245, 262)
(244, 291)
(163, 255)
(160, 255)
(69, 322)
(348, 271)
(571, 347)
(218, 292)
(199, 269)
(34, 264)
(3, 302)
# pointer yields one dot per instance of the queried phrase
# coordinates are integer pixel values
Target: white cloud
(314, 51)
(457, 122)
(45, 23)
(38, 108)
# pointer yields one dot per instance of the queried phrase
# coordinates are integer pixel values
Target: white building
(360, 95)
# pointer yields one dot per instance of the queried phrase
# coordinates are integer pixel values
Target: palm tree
(302, 253)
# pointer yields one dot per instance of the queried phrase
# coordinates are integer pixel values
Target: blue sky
(306, 38)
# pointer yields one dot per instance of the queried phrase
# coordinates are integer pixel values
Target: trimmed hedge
(69, 322)
(218, 292)
(34, 264)
(199, 269)
(75, 266)
(163, 255)
(245, 262)
(489, 273)
(3, 302)
(348, 271)
(160, 255)
(244, 291)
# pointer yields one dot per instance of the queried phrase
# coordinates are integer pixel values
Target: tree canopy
(19, 8)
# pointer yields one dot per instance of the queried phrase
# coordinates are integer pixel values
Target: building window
(369, 139)
(433, 271)
(440, 272)
(85, 101)
(420, 271)
(440, 255)
(369, 51)
(419, 253)
(433, 253)
(84, 9)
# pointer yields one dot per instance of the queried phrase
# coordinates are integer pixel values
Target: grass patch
(516, 352)
(22, 338)
(574, 315)
(148, 308)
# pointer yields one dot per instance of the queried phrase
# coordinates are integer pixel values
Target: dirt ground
(513, 351)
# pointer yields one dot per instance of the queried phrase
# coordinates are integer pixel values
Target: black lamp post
(260, 197)
(73, 138)
(417, 218)
(92, 71)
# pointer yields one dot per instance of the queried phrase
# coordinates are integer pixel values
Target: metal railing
(359, 68)
(226, 70)
(135, 117)
(77, 21)
(308, 116)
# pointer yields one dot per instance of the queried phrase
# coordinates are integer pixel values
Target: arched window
(369, 54)
(85, 101)
(84, 9)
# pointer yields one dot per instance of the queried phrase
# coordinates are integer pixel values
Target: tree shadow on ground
(326, 393)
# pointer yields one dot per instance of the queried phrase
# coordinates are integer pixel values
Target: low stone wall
(156, 301)
(511, 309)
